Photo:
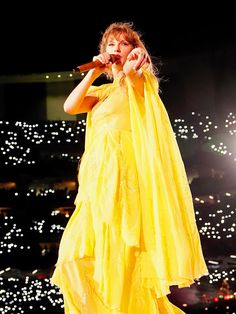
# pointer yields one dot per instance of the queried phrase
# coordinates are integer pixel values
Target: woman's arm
(78, 101)
(132, 68)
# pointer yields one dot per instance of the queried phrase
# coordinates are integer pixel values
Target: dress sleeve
(99, 91)
(167, 211)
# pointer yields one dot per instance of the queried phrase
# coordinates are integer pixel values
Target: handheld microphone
(93, 64)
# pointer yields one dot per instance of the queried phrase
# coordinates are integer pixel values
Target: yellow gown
(133, 233)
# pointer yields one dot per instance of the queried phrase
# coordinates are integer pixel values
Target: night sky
(38, 37)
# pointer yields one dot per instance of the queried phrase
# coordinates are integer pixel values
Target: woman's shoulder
(99, 90)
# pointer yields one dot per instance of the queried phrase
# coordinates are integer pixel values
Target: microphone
(93, 64)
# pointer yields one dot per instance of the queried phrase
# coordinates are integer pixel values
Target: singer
(133, 233)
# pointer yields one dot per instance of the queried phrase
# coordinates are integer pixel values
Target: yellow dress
(133, 233)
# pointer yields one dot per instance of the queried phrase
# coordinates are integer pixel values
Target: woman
(133, 232)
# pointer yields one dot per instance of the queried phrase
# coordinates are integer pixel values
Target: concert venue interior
(41, 147)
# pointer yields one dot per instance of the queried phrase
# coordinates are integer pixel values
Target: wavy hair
(131, 35)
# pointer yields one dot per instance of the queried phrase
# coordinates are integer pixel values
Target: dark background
(40, 36)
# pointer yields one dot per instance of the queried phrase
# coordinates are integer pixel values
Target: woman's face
(118, 45)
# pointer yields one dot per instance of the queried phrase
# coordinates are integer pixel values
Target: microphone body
(93, 64)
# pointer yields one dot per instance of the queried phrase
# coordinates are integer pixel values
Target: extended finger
(140, 61)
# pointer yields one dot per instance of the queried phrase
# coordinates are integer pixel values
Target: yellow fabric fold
(169, 230)
(133, 232)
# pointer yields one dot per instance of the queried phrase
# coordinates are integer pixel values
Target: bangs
(118, 32)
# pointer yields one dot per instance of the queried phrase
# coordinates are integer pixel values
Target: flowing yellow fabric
(133, 232)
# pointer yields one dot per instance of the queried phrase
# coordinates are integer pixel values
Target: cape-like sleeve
(172, 249)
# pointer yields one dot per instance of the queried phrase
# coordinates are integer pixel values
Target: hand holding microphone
(93, 64)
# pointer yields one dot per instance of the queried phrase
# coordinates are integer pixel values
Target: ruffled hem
(121, 279)
(81, 293)
(114, 260)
